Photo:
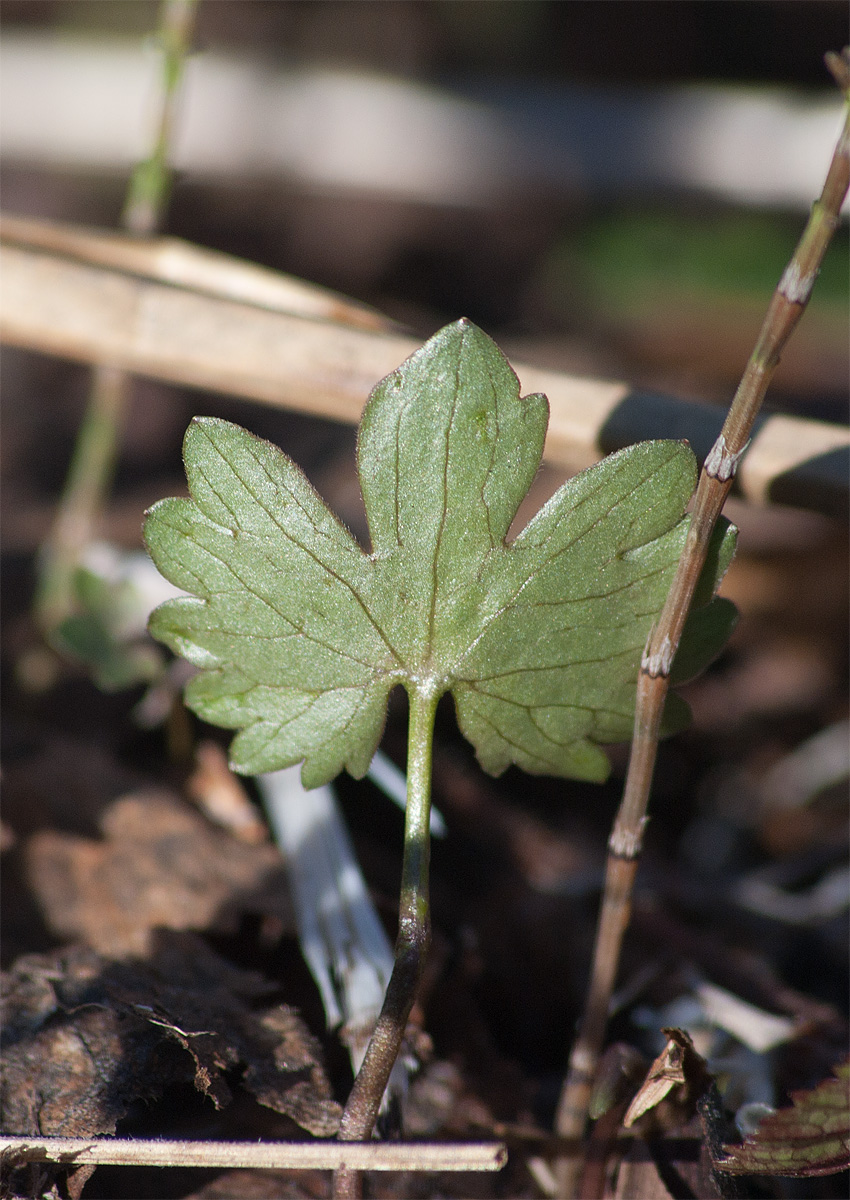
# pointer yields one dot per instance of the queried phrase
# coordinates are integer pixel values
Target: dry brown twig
(624, 847)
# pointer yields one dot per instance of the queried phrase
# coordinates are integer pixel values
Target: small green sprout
(300, 634)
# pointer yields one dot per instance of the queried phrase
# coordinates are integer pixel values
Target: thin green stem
(88, 480)
(412, 943)
(90, 474)
(147, 193)
(624, 847)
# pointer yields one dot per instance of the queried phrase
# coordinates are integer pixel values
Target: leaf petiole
(414, 927)
(412, 943)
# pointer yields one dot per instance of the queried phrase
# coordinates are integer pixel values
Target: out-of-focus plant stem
(90, 473)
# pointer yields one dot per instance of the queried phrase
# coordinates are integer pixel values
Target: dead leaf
(71, 1064)
(291, 1079)
(677, 1066)
(222, 796)
(85, 1037)
(160, 865)
(78, 1179)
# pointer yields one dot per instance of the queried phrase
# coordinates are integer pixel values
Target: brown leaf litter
(86, 1036)
(159, 865)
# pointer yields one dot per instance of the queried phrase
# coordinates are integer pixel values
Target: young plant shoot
(300, 634)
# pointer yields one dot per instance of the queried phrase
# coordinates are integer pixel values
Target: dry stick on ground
(179, 263)
(91, 468)
(624, 846)
(177, 312)
(281, 1156)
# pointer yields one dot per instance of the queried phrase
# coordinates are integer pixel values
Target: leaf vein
(298, 629)
(306, 549)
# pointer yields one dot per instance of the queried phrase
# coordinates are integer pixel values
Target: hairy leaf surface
(300, 634)
(810, 1138)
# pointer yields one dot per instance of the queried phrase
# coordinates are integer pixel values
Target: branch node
(721, 464)
(627, 843)
(795, 285)
(659, 662)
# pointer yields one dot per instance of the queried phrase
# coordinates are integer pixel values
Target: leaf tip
(207, 427)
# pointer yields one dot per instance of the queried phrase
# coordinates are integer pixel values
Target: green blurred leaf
(629, 255)
(96, 634)
(300, 635)
(810, 1138)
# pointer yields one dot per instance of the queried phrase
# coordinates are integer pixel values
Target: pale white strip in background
(88, 103)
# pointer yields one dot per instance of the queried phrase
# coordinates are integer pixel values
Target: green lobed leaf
(810, 1138)
(300, 635)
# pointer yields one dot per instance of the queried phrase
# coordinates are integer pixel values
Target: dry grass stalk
(282, 1156)
(624, 847)
(80, 309)
(179, 263)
